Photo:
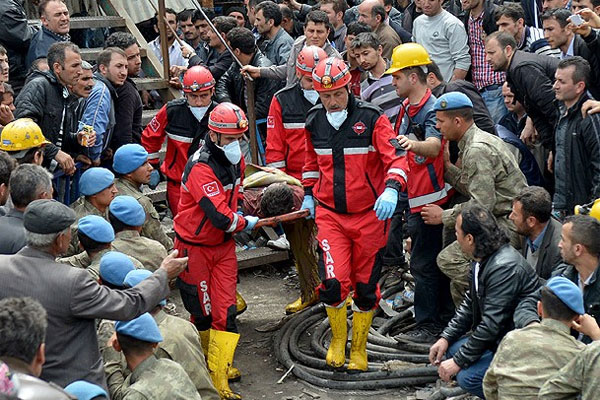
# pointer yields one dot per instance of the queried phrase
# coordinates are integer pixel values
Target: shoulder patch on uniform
(270, 121)
(154, 124)
(364, 104)
(359, 128)
(211, 189)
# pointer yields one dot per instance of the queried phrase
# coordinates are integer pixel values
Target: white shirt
(175, 55)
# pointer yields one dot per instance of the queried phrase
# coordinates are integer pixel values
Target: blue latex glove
(386, 204)
(309, 204)
(251, 220)
(154, 179)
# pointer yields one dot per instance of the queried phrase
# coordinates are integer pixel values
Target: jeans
(494, 101)
(433, 303)
(471, 378)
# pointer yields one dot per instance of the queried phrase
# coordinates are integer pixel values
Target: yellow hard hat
(408, 55)
(591, 209)
(21, 134)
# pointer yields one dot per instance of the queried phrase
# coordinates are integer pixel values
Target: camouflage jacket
(526, 358)
(152, 228)
(149, 252)
(82, 207)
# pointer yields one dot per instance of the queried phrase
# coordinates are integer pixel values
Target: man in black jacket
(580, 250)
(501, 278)
(15, 36)
(530, 77)
(232, 88)
(577, 151)
(45, 99)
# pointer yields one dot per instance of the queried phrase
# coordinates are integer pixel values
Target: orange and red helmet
(228, 119)
(308, 58)
(197, 79)
(330, 74)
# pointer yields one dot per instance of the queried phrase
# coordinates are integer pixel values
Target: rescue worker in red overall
(287, 114)
(207, 219)
(422, 148)
(352, 170)
(286, 151)
(182, 121)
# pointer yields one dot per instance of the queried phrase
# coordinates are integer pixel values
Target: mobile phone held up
(576, 19)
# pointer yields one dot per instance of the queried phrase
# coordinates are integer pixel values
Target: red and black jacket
(175, 121)
(285, 131)
(347, 169)
(210, 191)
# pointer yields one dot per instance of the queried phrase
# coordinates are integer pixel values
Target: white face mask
(198, 112)
(337, 118)
(233, 152)
(311, 95)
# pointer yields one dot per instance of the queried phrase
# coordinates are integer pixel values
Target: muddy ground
(267, 290)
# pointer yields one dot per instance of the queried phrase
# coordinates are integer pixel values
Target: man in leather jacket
(501, 278)
(232, 88)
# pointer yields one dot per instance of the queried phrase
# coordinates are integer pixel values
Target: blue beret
(95, 180)
(452, 101)
(568, 292)
(96, 228)
(114, 266)
(136, 276)
(128, 210)
(142, 328)
(84, 390)
(129, 157)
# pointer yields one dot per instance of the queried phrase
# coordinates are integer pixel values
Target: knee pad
(330, 292)
(230, 324)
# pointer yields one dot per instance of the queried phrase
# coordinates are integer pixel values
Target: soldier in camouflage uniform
(518, 371)
(97, 188)
(127, 216)
(95, 237)
(133, 169)
(181, 344)
(578, 379)
(487, 173)
(152, 378)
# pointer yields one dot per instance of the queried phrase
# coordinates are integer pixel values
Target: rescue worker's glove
(154, 179)
(386, 204)
(251, 220)
(309, 204)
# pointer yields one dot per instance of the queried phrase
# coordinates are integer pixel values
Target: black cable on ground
(307, 356)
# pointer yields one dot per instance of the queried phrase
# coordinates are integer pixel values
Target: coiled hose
(307, 357)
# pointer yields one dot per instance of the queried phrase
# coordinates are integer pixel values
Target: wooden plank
(151, 83)
(103, 21)
(260, 256)
(92, 54)
(147, 116)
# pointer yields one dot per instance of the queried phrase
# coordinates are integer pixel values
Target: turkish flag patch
(270, 121)
(211, 189)
(359, 128)
(154, 124)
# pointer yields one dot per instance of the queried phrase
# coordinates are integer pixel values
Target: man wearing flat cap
(95, 236)
(519, 371)
(127, 217)
(72, 299)
(487, 173)
(131, 164)
(98, 189)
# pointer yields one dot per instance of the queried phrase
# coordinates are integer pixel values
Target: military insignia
(327, 82)
(211, 189)
(243, 124)
(443, 104)
(359, 128)
(420, 159)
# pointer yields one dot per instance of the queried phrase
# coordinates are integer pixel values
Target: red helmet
(330, 74)
(197, 79)
(228, 119)
(308, 58)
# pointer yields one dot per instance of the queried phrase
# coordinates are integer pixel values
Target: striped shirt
(381, 93)
(533, 41)
(481, 70)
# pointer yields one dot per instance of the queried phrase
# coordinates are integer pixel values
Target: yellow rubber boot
(299, 305)
(233, 374)
(336, 354)
(361, 322)
(220, 358)
(240, 303)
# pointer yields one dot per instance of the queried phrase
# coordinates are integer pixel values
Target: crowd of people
(453, 139)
